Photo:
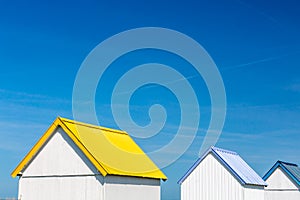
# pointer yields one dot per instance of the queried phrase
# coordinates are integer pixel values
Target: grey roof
(292, 170)
(234, 163)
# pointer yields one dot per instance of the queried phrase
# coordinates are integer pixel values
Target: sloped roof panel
(239, 167)
(294, 170)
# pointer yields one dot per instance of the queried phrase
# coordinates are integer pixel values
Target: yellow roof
(111, 151)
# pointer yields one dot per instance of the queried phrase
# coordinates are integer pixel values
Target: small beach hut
(221, 175)
(283, 181)
(79, 161)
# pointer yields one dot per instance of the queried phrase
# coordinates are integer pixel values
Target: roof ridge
(224, 150)
(93, 126)
(287, 163)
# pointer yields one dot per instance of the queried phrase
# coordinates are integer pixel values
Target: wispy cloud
(293, 87)
(17, 136)
(258, 11)
(23, 97)
(263, 60)
(11, 101)
(166, 83)
(24, 117)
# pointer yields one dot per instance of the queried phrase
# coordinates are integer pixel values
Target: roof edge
(291, 174)
(84, 150)
(29, 156)
(240, 179)
(227, 165)
(193, 167)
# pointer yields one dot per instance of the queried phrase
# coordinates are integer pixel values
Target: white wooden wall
(61, 171)
(66, 188)
(131, 188)
(254, 192)
(212, 181)
(280, 186)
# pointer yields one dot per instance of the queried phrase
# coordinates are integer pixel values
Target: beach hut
(78, 161)
(283, 181)
(221, 175)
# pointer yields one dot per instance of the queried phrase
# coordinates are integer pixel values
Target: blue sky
(255, 45)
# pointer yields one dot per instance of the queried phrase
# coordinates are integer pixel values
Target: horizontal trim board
(61, 176)
(283, 190)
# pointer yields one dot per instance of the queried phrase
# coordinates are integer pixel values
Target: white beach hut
(283, 181)
(78, 161)
(221, 175)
